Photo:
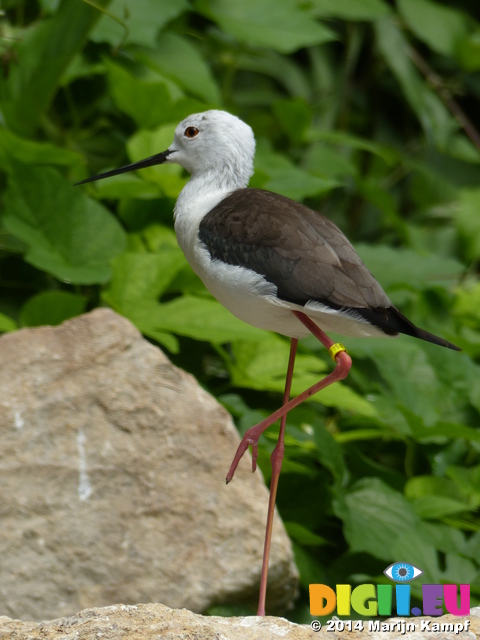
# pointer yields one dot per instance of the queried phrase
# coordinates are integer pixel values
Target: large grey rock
(152, 622)
(112, 474)
(157, 622)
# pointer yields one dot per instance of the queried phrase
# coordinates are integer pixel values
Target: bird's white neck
(205, 189)
(208, 187)
(201, 193)
(225, 179)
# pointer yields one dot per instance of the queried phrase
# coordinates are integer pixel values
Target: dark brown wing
(299, 251)
(303, 254)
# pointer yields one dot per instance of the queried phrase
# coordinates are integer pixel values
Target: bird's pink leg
(251, 437)
(276, 460)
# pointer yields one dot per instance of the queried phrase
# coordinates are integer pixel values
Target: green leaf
(177, 58)
(388, 155)
(329, 452)
(304, 536)
(467, 303)
(342, 397)
(443, 430)
(356, 435)
(311, 571)
(408, 371)
(143, 20)
(140, 278)
(263, 366)
(44, 53)
(50, 6)
(370, 191)
(441, 28)
(138, 281)
(434, 116)
(468, 51)
(6, 323)
(468, 221)
(52, 308)
(443, 537)
(67, 234)
(276, 173)
(467, 480)
(432, 507)
(417, 271)
(158, 238)
(376, 517)
(135, 96)
(34, 152)
(80, 67)
(126, 186)
(459, 570)
(421, 552)
(324, 161)
(290, 76)
(168, 177)
(424, 486)
(350, 9)
(281, 26)
(294, 115)
(472, 547)
(203, 319)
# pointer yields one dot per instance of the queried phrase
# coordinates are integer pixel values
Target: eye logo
(402, 572)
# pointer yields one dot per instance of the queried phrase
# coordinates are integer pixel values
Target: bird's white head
(214, 143)
(216, 148)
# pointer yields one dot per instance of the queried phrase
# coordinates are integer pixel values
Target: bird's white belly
(252, 299)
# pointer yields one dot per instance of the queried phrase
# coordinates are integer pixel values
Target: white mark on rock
(84, 486)
(19, 422)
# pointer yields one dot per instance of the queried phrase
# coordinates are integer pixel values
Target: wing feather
(299, 251)
(303, 254)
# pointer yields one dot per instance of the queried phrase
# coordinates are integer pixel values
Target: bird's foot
(250, 439)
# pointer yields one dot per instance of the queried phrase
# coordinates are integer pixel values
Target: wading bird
(273, 262)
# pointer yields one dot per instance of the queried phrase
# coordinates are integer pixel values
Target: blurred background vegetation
(367, 110)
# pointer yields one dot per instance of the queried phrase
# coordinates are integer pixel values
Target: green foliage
(67, 234)
(51, 307)
(440, 27)
(365, 109)
(135, 21)
(280, 26)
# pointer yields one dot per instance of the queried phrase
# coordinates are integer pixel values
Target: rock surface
(157, 622)
(112, 468)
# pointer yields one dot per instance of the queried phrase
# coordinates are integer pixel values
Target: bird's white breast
(244, 293)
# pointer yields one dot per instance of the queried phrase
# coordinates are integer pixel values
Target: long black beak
(159, 158)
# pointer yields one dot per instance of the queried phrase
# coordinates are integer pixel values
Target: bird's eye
(402, 572)
(191, 132)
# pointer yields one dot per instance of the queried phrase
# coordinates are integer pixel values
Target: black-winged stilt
(273, 262)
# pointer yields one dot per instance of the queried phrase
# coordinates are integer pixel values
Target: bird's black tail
(392, 322)
(430, 337)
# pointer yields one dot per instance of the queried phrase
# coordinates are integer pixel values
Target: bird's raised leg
(276, 461)
(344, 362)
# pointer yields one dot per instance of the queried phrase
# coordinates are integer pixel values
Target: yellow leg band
(336, 349)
